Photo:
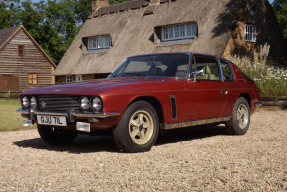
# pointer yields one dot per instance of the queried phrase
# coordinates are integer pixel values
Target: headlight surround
(96, 104)
(33, 102)
(25, 102)
(84, 103)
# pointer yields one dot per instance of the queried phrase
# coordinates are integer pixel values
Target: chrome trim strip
(75, 114)
(167, 126)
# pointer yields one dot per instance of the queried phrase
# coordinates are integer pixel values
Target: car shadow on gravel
(87, 144)
(82, 144)
(190, 133)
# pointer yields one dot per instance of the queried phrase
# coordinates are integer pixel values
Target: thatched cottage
(219, 27)
(23, 64)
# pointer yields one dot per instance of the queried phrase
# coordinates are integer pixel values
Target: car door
(206, 97)
(233, 87)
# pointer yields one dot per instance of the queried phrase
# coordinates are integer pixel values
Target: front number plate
(52, 120)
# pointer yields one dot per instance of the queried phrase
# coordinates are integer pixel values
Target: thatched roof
(132, 31)
(5, 34)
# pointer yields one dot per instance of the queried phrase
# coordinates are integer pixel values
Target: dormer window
(250, 32)
(179, 31)
(99, 42)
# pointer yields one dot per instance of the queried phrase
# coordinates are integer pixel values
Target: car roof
(183, 53)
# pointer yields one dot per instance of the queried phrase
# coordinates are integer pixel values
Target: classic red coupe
(143, 96)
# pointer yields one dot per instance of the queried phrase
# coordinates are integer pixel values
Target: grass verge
(10, 120)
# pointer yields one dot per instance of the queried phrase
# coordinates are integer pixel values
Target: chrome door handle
(224, 92)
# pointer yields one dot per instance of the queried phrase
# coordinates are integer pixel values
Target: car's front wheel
(55, 136)
(138, 128)
(240, 121)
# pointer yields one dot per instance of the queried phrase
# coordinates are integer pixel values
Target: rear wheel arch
(246, 96)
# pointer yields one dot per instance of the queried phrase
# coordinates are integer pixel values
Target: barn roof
(132, 27)
(5, 34)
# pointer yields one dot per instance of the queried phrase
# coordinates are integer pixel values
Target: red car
(144, 95)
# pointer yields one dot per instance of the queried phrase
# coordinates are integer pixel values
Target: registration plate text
(52, 120)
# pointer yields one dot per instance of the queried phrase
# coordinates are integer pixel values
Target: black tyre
(55, 136)
(240, 121)
(138, 128)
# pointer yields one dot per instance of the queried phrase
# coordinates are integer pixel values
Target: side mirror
(195, 73)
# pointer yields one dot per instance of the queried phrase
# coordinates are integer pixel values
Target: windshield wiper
(135, 74)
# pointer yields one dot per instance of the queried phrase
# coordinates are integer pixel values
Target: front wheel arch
(154, 102)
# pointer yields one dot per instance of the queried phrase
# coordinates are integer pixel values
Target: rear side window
(226, 71)
(209, 66)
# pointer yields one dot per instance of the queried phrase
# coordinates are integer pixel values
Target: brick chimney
(99, 3)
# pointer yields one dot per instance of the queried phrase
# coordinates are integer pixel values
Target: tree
(280, 8)
(9, 12)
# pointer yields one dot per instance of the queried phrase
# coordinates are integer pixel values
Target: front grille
(57, 102)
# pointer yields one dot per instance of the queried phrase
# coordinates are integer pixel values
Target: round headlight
(25, 102)
(85, 103)
(33, 102)
(97, 104)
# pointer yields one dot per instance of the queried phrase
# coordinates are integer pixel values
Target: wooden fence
(274, 101)
(10, 94)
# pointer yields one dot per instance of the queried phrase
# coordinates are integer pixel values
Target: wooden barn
(219, 27)
(23, 64)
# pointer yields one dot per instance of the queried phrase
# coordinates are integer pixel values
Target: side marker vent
(173, 106)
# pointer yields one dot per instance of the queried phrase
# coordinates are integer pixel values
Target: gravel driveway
(196, 159)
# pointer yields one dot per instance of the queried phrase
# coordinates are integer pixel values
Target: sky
(271, 1)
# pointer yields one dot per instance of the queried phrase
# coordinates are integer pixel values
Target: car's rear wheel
(138, 128)
(240, 120)
(55, 136)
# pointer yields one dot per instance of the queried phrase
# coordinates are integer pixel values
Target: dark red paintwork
(194, 101)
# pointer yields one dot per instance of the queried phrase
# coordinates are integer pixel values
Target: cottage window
(21, 50)
(182, 31)
(33, 79)
(100, 42)
(250, 32)
(70, 78)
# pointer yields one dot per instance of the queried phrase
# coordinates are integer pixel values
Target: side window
(209, 66)
(226, 71)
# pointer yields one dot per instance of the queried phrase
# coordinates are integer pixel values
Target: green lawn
(10, 120)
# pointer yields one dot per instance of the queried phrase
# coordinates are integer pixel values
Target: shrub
(271, 79)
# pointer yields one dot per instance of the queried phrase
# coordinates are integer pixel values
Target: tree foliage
(280, 8)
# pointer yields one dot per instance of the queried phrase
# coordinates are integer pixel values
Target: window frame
(32, 79)
(218, 64)
(70, 78)
(251, 34)
(23, 50)
(231, 69)
(177, 28)
(107, 43)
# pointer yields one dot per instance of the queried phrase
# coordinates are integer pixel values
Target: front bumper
(83, 121)
(67, 114)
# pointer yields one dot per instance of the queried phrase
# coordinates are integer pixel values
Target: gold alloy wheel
(141, 127)
(242, 116)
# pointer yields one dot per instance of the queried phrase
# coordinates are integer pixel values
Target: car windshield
(163, 65)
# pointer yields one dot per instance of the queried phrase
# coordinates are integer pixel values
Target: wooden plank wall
(32, 62)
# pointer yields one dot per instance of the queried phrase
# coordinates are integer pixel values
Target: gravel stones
(194, 159)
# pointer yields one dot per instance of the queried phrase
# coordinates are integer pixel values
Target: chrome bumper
(258, 104)
(74, 114)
